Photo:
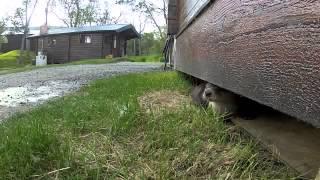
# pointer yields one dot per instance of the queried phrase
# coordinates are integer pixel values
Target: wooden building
(71, 44)
(13, 42)
(13, 39)
(267, 51)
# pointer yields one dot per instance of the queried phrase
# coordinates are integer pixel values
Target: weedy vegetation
(9, 59)
(101, 132)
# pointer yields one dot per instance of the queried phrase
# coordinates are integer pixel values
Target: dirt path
(19, 91)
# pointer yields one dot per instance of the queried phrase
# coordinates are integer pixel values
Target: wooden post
(134, 47)
(140, 46)
(69, 47)
(125, 47)
(114, 45)
(102, 45)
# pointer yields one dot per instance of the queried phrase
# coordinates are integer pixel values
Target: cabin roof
(89, 29)
(32, 30)
(9, 32)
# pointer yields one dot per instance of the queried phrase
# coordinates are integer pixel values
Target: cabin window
(52, 42)
(85, 39)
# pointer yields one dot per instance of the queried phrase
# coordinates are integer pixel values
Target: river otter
(197, 95)
(221, 101)
(224, 102)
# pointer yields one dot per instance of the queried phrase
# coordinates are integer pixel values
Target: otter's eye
(208, 94)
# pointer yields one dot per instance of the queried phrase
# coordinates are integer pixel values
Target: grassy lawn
(101, 132)
(151, 58)
(8, 61)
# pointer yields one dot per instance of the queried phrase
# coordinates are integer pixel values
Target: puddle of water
(12, 96)
(41, 98)
(15, 96)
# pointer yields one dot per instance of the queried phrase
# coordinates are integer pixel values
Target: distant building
(13, 42)
(70, 44)
(13, 39)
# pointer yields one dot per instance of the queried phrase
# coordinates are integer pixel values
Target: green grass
(8, 61)
(100, 132)
(99, 61)
(150, 58)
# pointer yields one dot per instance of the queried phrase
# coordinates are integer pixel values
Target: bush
(9, 60)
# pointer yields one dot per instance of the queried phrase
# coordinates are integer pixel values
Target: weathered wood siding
(33, 45)
(268, 51)
(122, 44)
(68, 47)
(173, 24)
(117, 52)
(108, 43)
(58, 53)
(86, 51)
(14, 43)
(188, 9)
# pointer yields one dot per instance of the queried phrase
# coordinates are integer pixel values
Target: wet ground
(20, 91)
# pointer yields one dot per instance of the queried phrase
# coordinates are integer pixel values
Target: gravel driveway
(20, 91)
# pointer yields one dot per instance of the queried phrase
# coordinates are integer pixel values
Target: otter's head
(214, 93)
(211, 92)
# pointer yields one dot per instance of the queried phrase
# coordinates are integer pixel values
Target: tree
(88, 14)
(105, 18)
(140, 28)
(81, 12)
(21, 21)
(49, 3)
(151, 11)
(72, 11)
(2, 29)
(150, 44)
(18, 20)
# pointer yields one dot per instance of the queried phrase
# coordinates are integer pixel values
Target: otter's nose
(208, 93)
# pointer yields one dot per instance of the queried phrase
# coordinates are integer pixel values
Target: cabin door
(107, 47)
(115, 45)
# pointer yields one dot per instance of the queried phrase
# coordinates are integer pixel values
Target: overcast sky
(8, 7)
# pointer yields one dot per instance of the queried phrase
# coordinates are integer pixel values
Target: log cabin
(12, 42)
(267, 51)
(13, 39)
(64, 45)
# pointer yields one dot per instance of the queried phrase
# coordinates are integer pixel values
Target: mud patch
(163, 101)
(29, 94)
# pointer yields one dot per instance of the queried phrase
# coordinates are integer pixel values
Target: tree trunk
(155, 23)
(21, 60)
(77, 20)
(140, 46)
